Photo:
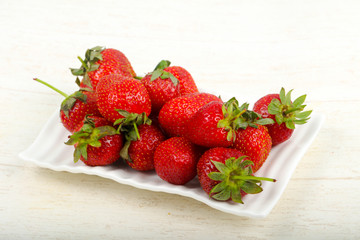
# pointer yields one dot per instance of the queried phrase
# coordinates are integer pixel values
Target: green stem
(138, 77)
(254, 178)
(136, 131)
(238, 115)
(52, 87)
(293, 110)
(83, 63)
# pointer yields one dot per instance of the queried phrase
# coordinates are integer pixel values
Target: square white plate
(49, 151)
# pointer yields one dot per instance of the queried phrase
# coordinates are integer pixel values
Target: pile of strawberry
(162, 122)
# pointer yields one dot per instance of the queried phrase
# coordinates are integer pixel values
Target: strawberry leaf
(124, 152)
(290, 124)
(219, 166)
(299, 101)
(173, 79)
(156, 74)
(303, 115)
(162, 65)
(223, 195)
(265, 121)
(279, 119)
(288, 98)
(251, 187)
(282, 95)
(236, 196)
(216, 176)
(83, 150)
(253, 125)
(95, 144)
(77, 71)
(274, 107)
(218, 187)
(77, 154)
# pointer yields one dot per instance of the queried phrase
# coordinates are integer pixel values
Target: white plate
(49, 151)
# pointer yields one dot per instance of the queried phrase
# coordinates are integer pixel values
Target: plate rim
(317, 118)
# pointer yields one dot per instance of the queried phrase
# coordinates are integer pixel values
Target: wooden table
(256, 47)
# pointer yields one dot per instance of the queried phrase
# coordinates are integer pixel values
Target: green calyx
(69, 102)
(88, 135)
(128, 125)
(88, 64)
(160, 73)
(235, 175)
(236, 117)
(289, 112)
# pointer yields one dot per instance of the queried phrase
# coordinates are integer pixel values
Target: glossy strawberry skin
(119, 92)
(175, 160)
(176, 113)
(186, 81)
(279, 133)
(202, 127)
(254, 143)
(205, 166)
(141, 151)
(160, 91)
(78, 112)
(108, 152)
(113, 62)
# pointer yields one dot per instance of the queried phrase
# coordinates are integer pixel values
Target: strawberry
(255, 142)
(175, 160)
(99, 62)
(175, 114)
(186, 81)
(141, 140)
(226, 174)
(116, 91)
(286, 113)
(202, 128)
(161, 85)
(215, 124)
(75, 107)
(141, 151)
(96, 143)
(166, 83)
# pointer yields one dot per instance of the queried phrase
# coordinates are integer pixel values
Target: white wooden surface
(253, 46)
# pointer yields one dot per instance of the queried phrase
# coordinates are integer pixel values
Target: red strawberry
(202, 128)
(141, 151)
(175, 114)
(175, 160)
(286, 113)
(141, 137)
(99, 62)
(215, 124)
(166, 83)
(226, 173)
(255, 143)
(75, 107)
(161, 86)
(116, 91)
(187, 83)
(97, 143)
